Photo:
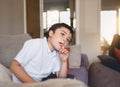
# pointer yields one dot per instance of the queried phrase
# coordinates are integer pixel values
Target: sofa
(106, 72)
(10, 45)
(103, 76)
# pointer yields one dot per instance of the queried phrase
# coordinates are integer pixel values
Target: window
(65, 17)
(108, 25)
(52, 17)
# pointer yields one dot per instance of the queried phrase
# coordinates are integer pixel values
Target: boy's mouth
(61, 44)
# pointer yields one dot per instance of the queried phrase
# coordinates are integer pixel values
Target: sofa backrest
(10, 45)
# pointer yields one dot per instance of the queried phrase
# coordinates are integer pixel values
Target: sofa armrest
(84, 60)
(82, 72)
(103, 76)
(47, 83)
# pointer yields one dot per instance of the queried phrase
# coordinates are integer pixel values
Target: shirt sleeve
(26, 53)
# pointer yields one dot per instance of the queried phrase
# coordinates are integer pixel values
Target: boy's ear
(50, 33)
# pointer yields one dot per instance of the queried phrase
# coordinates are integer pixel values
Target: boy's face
(60, 38)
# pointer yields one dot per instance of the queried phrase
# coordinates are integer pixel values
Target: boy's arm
(63, 70)
(64, 53)
(20, 73)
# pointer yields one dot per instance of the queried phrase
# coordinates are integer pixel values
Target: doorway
(58, 11)
(33, 18)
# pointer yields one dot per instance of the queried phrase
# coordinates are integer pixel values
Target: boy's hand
(64, 53)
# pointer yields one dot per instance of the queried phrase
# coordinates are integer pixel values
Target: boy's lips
(61, 44)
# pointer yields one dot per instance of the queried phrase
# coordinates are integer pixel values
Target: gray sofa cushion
(75, 56)
(110, 62)
(103, 76)
(5, 74)
(48, 83)
(10, 46)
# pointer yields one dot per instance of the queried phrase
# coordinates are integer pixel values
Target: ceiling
(110, 4)
(63, 4)
(56, 1)
(56, 4)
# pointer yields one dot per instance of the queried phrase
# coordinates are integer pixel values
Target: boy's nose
(64, 39)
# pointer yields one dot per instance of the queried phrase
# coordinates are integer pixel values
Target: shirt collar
(46, 43)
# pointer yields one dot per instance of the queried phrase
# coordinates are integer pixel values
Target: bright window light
(65, 17)
(52, 17)
(108, 25)
(44, 20)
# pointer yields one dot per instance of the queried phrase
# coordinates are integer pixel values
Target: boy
(39, 58)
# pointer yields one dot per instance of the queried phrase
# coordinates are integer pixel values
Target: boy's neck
(49, 45)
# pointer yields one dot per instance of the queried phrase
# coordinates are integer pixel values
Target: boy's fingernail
(68, 48)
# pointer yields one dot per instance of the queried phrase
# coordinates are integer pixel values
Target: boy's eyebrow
(66, 33)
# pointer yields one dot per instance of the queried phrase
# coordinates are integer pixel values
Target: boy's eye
(68, 40)
(62, 34)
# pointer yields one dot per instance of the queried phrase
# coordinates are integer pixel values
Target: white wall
(88, 19)
(11, 16)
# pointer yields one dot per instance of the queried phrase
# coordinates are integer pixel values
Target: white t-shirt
(37, 59)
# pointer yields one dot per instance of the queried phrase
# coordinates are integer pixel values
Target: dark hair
(59, 25)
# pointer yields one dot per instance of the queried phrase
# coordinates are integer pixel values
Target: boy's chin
(57, 49)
